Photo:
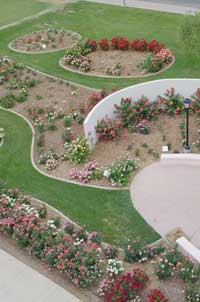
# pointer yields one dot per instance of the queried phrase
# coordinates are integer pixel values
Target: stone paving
(167, 195)
(20, 283)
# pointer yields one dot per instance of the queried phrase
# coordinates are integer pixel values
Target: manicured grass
(110, 212)
(14, 10)
(96, 21)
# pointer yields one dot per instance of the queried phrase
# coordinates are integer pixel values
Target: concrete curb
(41, 52)
(115, 77)
(54, 177)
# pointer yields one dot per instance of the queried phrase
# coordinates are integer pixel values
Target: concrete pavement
(171, 6)
(167, 195)
(20, 283)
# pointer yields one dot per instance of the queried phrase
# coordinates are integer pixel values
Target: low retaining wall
(105, 108)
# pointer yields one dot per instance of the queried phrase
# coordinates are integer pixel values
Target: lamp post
(187, 102)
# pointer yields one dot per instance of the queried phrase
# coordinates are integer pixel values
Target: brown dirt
(104, 60)
(33, 42)
(58, 95)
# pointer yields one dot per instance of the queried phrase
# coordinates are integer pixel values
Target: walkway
(171, 6)
(167, 195)
(19, 283)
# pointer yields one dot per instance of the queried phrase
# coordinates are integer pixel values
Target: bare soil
(57, 95)
(45, 40)
(104, 60)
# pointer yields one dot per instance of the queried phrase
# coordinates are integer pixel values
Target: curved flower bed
(77, 257)
(45, 41)
(83, 258)
(109, 58)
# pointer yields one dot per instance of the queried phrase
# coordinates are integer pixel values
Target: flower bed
(57, 111)
(85, 260)
(109, 57)
(75, 256)
(45, 41)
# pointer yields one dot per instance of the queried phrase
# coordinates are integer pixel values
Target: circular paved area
(167, 195)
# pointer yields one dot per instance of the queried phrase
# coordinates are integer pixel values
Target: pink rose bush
(78, 259)
(88, 172)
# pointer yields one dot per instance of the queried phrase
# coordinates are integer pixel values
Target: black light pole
(187, 147)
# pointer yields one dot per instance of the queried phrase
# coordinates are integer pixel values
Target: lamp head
(187, 102)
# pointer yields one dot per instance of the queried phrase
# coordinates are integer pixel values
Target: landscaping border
(51, 176)
(116, 77)
(41, 52)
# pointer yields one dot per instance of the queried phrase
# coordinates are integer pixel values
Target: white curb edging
(115, 77)
(41, 52)
(54, 177)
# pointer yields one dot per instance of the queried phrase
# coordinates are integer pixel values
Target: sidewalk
(167, 193)
(158, 5)
(20, 283)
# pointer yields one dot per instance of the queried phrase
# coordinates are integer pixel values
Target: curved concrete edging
(115, 77)
(56, 78)
(40, 52)
(51, 176)
(181, 156)
(40, 202)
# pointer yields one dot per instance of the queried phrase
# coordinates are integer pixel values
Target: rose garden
(54, 76)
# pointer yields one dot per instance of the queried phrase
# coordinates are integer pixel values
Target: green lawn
(96, 21)
(110, 212)
(14, 10)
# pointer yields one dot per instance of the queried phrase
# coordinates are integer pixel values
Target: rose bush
(77, 259)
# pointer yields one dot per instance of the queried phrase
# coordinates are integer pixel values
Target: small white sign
(165, 149)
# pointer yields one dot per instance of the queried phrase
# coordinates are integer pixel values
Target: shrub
(88, 172)
(95, 237)
(38, 123)
(136, 252)
(115, 71)
(104, 44)
(188, 271)
(192, 294)
(142, 127)
(92, 44)
(166, 55)
(110, 252)
(76, 259)
(139, 44)
(68, 136)
(156, 296)
(120, 172)
(124, 287)
(154, 46)
(172, 102)
(114, 268)
(166, 265)
(120, 43)
(8, 101)
(67, 121)
(51, 126)
(80, 119)
(108, 129)
(132, 113)
(151, 63)
(78, 150)
(94, 99)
